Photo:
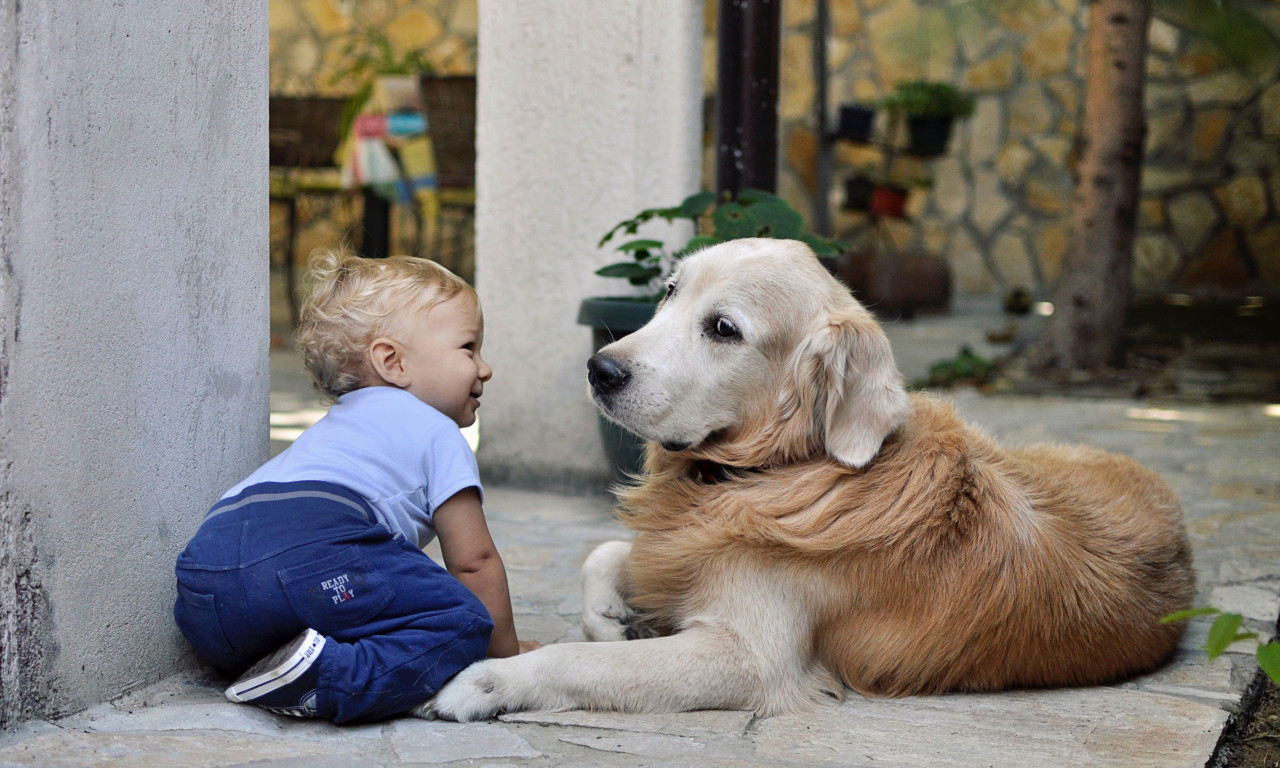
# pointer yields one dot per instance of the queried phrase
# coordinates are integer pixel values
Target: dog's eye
(725, 328)
(671, 289)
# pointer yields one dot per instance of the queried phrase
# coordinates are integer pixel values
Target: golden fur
(945, 564)
(857, 537)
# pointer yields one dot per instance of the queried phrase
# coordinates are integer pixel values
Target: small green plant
(716, 218)
(927, 98)
(965, 368)
(1225, 631)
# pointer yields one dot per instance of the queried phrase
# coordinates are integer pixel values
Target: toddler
(308, 579)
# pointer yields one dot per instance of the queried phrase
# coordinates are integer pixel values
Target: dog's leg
(695, 669)
(747, 653)
(605, 613)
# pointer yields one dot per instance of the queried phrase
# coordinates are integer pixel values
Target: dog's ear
(861, 399)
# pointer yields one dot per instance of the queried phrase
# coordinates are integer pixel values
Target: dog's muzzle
(606, 375)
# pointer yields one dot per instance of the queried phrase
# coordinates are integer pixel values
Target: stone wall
(999, 202)
(310, 39)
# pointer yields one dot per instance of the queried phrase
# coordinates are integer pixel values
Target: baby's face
(442, 357)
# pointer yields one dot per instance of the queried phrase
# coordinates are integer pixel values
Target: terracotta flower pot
(889, 201)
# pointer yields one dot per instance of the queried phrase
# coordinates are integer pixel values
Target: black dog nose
(606, 374)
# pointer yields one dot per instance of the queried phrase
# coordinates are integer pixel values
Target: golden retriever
(804, 525)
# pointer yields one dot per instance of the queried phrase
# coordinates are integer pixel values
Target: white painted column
(588, 112)
(133, 325)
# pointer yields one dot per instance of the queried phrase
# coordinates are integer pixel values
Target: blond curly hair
(352, 301)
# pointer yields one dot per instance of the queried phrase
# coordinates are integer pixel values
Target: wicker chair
(304, 138)
(450, 104)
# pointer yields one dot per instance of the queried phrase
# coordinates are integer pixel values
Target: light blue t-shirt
(403, 456)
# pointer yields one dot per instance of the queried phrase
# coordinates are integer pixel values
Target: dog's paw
(613, 620)
(473, 694)
(606, 622)
(424, 711)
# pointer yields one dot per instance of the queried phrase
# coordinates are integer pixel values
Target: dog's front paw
(611, 620)
(473, 694)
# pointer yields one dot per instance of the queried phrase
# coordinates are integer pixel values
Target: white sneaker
(285, 681)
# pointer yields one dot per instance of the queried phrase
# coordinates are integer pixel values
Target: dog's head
(755, 355)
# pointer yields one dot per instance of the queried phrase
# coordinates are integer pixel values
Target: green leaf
(643, 277)
(697, 204)
(1224, 632)
(1190, 613)
(1269, 660)
(822, 246)
(751, 196)
(630, 225)
(777, 219)
(640, 245)
(627, 269)
(1230, 26)
(733, 221)
(697, 244)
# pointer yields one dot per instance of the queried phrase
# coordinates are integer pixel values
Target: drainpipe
(822, 191)
(747, 110)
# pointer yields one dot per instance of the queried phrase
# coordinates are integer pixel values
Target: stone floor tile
(150, 749)
(702, 723)
(649, 746)
(434, 741)
(1190, 668)
(1260, 601)
(209, 715)
(1092, 727)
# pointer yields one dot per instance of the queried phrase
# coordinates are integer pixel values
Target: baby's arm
(472, 558)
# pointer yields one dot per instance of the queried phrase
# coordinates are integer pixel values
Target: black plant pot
(929, 134)
(855, 122)
(857, 193)
(611, 318)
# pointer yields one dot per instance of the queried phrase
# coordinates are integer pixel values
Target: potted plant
(855, 123)
(858, 190)
(930, 109)
(871, 193)
(647, 264)
(889, 201)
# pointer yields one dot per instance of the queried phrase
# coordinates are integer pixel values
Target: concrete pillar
(133, 325)
(587, 113)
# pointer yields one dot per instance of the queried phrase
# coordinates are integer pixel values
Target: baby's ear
(387, 360)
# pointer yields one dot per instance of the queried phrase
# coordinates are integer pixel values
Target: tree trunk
(1096, 282)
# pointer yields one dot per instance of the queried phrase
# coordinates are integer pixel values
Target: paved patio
(1223, 460)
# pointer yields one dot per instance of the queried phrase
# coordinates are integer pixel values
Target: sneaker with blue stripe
(285, 681)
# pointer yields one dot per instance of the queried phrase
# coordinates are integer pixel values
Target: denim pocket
(340, 591)
(197, 617)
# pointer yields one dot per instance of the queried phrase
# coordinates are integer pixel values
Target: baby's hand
(529, 645)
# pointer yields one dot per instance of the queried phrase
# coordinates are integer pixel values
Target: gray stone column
(133, 325)
(588, 112)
